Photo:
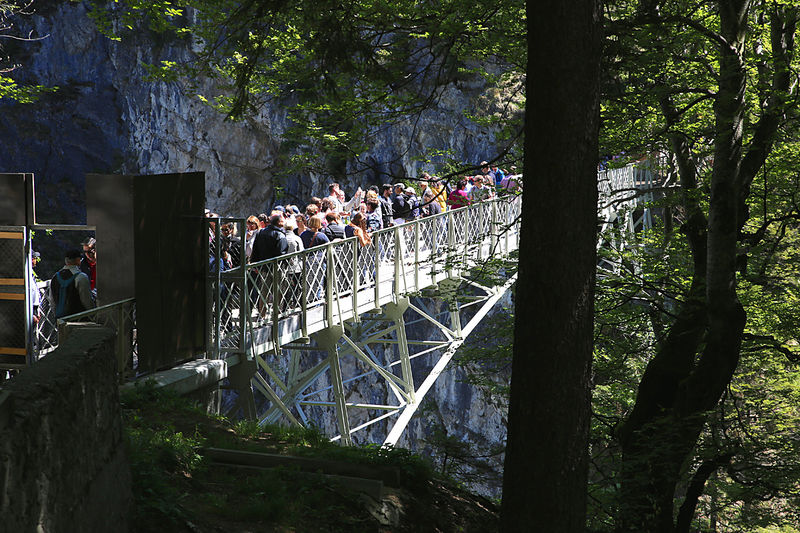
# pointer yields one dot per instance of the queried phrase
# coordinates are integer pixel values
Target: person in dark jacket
(335, 229)
(400, 209)
(271, 241)
(386, 205)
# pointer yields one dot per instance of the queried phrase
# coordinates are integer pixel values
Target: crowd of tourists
(291, 228)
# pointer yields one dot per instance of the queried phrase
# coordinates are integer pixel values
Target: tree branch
(695, 490)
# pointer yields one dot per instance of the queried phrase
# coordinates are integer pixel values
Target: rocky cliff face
(107, 118)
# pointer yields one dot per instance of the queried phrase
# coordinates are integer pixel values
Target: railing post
(376, 243)
(244, 297)
(210, 316)
(218, 295)
(276, 305)
(436, 223)
(451, 242)
(478, 239)
(398, 259)
(330, 273)
(355, 280)
(416, 255)
(304, 297)
(507, 223)
(493, 228)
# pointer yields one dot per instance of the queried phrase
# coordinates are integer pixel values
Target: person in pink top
(458, 198)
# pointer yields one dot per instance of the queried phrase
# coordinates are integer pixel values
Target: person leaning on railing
(358, 228)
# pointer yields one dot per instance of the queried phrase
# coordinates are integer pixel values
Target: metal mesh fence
(342, 253)
(315, 264)
(46, 329)
(366, 266)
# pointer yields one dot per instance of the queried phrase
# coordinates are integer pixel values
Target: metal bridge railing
(47, 328)
(119, 316)
(293, 294)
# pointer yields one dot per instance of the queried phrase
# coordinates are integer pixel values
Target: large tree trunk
(544, 485)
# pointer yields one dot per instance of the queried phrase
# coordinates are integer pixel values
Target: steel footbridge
(358, 334)
(353, 337)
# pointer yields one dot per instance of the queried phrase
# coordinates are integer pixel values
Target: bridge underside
(372, 371)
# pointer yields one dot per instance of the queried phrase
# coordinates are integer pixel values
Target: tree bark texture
(545, 476)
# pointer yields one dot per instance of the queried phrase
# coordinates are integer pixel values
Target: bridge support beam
(395, 312)
(328, 340)
(448, 289)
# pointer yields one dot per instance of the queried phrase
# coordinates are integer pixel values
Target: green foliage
(10, 89)
(158, 456)
(343, 71)
(462, 461)
(174, 485)
(23, 94)
(757, 419)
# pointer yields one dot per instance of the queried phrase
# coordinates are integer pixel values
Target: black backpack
(65, 294)
(334, 231)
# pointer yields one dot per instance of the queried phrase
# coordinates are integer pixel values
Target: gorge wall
(106, 117)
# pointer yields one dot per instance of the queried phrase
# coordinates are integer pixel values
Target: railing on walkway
(261, 306)
(119, 316)
(626, 203)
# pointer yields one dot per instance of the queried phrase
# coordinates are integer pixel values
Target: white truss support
(328, 339)
(396, 391)
(409, 411)
(390, 378)
(303, 380)
(447, 331)
(271, 373)
(367, 424)
(265, 388)
(380, 407)
(395, 312)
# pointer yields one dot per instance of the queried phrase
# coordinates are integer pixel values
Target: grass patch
(177, 489)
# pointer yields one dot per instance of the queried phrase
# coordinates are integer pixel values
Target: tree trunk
(544, 485)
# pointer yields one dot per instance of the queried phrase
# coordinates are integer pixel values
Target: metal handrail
(77, 317)
(121, 316)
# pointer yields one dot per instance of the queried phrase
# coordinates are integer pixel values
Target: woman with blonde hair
(250, 235)
(312, 236)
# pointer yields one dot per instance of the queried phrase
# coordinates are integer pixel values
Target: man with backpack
(70, 290)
